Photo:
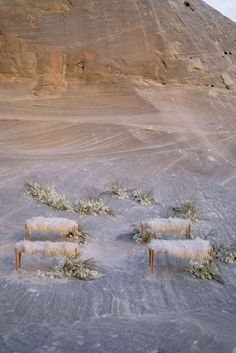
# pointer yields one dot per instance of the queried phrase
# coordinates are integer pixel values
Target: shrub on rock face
(142, 197)
(92, 207)
(186, 3)
(48, 196)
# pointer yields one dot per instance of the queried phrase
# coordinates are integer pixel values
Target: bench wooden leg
(149, 257)
(189, 231)
(18, 259)
(153, 260)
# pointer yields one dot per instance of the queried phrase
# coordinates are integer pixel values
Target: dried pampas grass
(62, 226)
(47, 248)
(167, 225)
(184, 249)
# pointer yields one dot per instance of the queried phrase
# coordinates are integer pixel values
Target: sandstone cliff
(54, 42)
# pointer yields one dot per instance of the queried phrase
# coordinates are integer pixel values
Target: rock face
(171, 41)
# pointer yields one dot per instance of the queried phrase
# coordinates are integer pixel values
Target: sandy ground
(177, 141)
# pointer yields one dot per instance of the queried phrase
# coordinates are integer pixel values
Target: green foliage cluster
(48, 196)
(142, 197)
(204, 271)
(92, 207)
(186, 210)
(118, 191)
(76, 268)
(81, 236)
(225, 254)
(144, 238)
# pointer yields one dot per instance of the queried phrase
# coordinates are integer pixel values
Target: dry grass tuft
(92, 207)
(144, 198)
(204, 271)
(197, 249)
(224, 254)
(48, 196)
(147, 237)
(118, 191)
(81, 234)
(47, 248)
(144, 238)
(76, 268)
(45, 225)
(186, 210)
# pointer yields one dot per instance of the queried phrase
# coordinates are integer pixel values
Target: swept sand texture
(94, 92)
(180, 143)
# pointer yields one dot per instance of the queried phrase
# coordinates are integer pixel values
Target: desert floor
(179, 142)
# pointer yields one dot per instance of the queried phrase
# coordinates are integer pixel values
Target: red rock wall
(53, 42)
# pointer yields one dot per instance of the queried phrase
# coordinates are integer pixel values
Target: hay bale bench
(196, 249)
(45, 225)
(45, 248)
(167, 225)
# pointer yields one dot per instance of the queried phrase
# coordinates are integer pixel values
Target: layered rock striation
(170, 41)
